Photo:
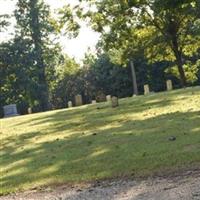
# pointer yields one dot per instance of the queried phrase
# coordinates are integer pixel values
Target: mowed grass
(86, 143)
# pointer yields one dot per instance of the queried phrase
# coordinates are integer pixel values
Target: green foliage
(33, 23)
(157, 37)
(67, 23)
(166, 31)
(4, 22)
(17, 84)
(28, 61)
(62, 88)
(101, 76)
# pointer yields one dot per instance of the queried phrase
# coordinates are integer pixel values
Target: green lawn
(86, 143)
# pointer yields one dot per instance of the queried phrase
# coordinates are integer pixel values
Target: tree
(167, 30)
(4, 22)
(63, 87)
(33, 23)
(171, 25)
(17, 86)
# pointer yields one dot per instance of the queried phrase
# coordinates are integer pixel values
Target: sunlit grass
(86, 143)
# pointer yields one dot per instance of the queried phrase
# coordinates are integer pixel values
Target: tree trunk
(179, 61)
(36, 34)
(44, 94)
(134, 79)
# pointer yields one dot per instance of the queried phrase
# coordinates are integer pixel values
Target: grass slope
(86, 143)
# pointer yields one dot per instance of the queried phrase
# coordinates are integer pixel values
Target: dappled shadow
(133, 104)
(129, 147)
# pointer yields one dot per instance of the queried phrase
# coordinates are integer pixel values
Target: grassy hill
(86, 143)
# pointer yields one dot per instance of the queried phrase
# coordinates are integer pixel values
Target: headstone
(169, 85)
(94, 101)
(108, 98)
(101, 97)
(30, 110)
(115, 102)
(146, 89)
(78, 100)
(70, 104)
(10, 110)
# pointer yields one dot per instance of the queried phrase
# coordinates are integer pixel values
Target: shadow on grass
(132, 104)
(132, 148)
(137, 105)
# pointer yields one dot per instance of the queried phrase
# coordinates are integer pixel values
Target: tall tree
(171, 25)
(33, 23)
(16, 84)
(167, 29)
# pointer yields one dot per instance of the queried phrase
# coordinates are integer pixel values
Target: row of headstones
(114, 100)
(11, 110)
(168, 85)
(79, 101)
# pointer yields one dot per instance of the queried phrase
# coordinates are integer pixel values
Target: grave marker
(70, 104)
(115, 102)
(10, 110)
(169, 85)
(78, 100)
(108, 98)
(29, 110)
(94, 101)
(146, 89)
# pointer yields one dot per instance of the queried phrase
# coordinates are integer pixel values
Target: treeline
(101, 77)
(155, 46)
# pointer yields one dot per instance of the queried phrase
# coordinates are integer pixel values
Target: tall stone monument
(10, 110)
(78, 100)
(115, 102)
(146, 89)
(169, 85)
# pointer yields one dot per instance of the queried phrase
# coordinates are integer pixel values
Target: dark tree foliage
(33, 23)
(101, 76)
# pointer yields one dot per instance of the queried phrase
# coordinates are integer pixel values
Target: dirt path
(181, 187)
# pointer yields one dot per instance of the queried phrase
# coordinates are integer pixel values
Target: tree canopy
(166, 31)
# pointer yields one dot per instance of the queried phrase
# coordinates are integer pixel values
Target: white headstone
(94, 101)
(29, 110)
(70, 104)
(169, 85)
(108, 98)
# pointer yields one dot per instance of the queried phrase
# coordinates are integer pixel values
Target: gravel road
(179, 187)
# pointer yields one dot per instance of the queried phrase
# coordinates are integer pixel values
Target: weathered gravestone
(101, 97)
(94, 101)
(146, 89)
(115, 102)
(70, 104)
(29, 110)
(10, 110)
(169, 85)
(108, 98)
(78, 100)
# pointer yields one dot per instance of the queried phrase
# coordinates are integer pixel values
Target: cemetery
(99, 100)
(84, 143)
